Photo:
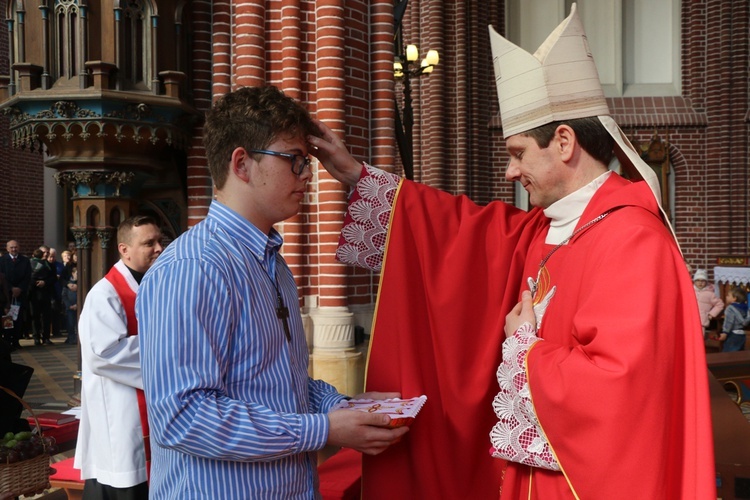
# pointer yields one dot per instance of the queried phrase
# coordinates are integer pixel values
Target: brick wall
(21, 180)
(342, 68)
(199, 190)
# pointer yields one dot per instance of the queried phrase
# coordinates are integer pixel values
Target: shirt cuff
(314, 429)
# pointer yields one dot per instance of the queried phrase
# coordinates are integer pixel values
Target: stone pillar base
(334, 358)
(307, 324)
(342, 369)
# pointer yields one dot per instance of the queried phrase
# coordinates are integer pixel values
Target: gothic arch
(13, 7)
(93, 216)
(134, 42)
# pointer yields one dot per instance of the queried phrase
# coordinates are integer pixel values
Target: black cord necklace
(541, 284)
(282, 311)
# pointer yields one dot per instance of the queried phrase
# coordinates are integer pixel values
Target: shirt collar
(565, 212)
(260, 244)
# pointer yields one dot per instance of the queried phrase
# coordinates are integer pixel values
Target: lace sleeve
(518, 437)
(363, 235)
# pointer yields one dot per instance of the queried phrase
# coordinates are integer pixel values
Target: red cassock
(619, 383)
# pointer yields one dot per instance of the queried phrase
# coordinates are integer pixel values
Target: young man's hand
(365, 432)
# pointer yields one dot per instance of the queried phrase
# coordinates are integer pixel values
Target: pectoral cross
(282, 312)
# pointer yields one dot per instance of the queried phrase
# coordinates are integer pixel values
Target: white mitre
(559, 82)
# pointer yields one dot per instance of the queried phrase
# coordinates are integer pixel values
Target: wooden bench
(731, 443)
(732, 369)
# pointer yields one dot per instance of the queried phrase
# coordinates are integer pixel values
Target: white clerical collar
(565, 212)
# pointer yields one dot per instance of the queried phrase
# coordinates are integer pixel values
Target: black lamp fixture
(406, 67)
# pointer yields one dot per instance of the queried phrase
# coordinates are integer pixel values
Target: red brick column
(199, 188)
(330, 57)
(222, 47)
(362, 284)
(296, 230)
(292, 38)
(249, 57)
(334, 358)
(383, 119)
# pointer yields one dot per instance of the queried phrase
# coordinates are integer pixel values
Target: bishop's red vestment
(617, 376)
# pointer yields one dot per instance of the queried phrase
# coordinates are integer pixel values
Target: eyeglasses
(298, 162)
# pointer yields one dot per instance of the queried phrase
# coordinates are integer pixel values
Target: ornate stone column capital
(83, 237)
(105, 235)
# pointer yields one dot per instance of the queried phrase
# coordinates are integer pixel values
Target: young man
(112, 450)
(599, 398)
(233, 411)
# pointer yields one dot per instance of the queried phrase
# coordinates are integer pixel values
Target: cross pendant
(282, 312)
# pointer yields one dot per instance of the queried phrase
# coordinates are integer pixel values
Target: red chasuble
(451, 269)
(619, 381)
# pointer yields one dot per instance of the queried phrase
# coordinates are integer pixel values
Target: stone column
(333, 358)
(106, 235)
(83, 237)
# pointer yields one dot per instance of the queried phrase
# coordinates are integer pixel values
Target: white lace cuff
(363, 235)
(518, 437)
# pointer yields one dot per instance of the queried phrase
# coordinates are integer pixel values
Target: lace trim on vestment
(363, 236)
(518, 436)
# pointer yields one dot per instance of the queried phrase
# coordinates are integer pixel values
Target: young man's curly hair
(251, 118)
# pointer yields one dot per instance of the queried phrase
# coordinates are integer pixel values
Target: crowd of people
(38, 295)
(723, 320)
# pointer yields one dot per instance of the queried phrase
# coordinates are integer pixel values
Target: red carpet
(340, 476)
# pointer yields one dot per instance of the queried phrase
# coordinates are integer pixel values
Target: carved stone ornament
(58, 121)
(118, 179)
(105, 236)
(91, 179)
(82, 236)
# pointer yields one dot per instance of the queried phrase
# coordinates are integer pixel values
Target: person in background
(709, 304)
(57, 317)
(41, 294)
(736, 319)
(112, 451)
(68, 264)
(70, 307)
(17, 270)
(233, 411)
(492, 306)
(7, 322)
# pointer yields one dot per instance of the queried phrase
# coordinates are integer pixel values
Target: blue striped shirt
(232, 411)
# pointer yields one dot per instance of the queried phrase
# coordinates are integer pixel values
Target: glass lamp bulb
(412, 53)
(432, 57)
(398, 69)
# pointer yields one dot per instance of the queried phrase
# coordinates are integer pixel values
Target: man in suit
(17, 271)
